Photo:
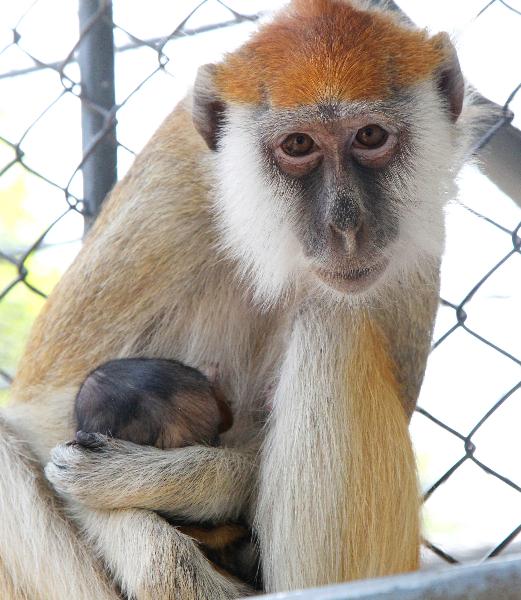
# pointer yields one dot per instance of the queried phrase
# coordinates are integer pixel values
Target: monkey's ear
(450, 78)
(208, 108)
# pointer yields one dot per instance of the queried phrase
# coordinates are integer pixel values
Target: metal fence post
(96, 60)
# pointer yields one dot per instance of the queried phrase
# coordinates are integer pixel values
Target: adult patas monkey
(296, 242)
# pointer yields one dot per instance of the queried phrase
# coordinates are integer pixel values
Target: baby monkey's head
(151, 401)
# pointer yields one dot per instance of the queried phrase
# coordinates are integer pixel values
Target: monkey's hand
(196, 482)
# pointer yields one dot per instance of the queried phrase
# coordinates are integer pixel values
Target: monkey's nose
(346, 240)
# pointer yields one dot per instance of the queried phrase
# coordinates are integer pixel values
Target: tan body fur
(319, 456)
(200, 330)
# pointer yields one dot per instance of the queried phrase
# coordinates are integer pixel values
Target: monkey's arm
(196, 482)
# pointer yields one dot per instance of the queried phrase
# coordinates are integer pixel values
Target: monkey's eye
(371, 136)
(298, 144)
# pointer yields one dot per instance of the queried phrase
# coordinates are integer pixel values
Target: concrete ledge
(497, 579)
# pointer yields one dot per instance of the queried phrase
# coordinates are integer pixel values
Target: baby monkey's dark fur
(152, 401)
(166, 404)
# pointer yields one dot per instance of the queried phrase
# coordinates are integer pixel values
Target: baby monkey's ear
(224, 410)
(208, 109)
(450, 78)
(211, 371)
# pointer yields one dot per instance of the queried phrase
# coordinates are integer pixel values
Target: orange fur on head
(322, 50)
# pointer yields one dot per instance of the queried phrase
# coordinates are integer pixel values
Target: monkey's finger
(64, 455)
(90, 441)
(54, 474)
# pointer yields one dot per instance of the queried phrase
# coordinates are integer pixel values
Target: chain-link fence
(80, 117)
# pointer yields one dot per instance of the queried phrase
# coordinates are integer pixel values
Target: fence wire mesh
(48, 95)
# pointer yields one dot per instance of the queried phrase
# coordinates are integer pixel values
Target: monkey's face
(347, 196)
(331, 164)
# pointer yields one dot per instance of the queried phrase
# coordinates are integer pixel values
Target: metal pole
(96, 60)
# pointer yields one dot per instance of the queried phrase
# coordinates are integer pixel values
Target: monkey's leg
(338, 496)
(151, 560)
(41, 557)
(196, 482)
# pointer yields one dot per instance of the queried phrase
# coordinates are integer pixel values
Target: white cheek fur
(254, 221)
(424, 190)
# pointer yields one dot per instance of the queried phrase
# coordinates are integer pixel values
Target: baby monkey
(153, 402)
(166, 404)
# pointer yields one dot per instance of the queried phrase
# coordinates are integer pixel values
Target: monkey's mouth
(353, 280)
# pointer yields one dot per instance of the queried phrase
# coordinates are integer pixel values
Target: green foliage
(20, 226)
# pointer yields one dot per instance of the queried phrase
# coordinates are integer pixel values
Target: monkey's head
(152, 401)
(336, 134)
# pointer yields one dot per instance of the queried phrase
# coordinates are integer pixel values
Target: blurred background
(62, 145)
